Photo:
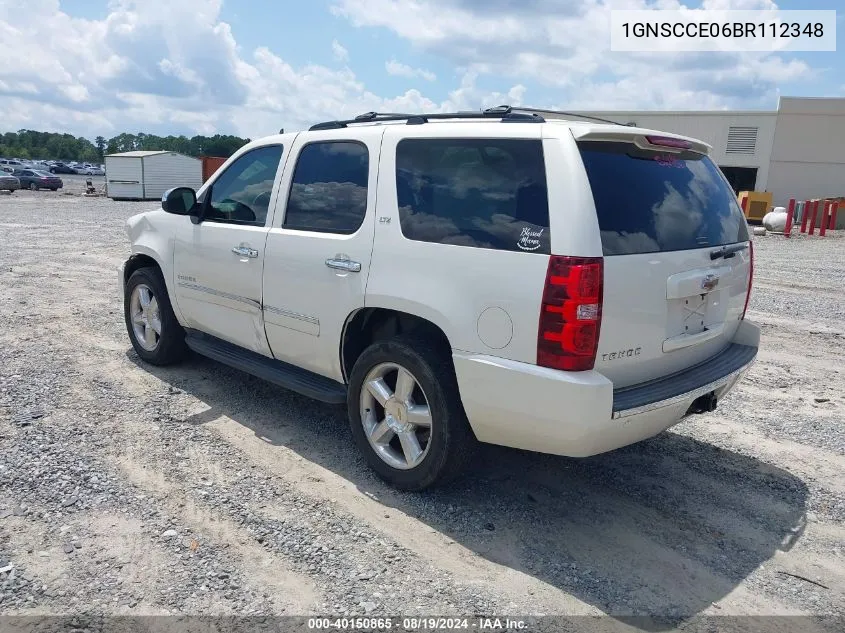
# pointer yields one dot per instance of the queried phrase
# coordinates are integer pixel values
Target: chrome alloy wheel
(395, 415)
(146, 318)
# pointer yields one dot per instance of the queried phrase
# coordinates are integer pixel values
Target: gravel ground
(128, 489)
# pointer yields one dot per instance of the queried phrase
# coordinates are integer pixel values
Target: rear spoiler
(642, 138)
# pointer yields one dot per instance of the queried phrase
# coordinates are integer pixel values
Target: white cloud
(563, 45)
(403, 70)
(339, 52)
(164, 66)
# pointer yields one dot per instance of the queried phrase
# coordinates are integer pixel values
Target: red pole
(813, 219)
(744, 205)
(833, 210)
(805, 215)
(788, 228)
(824, 219)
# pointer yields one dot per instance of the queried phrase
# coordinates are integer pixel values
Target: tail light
(570, 315)
(750, 276)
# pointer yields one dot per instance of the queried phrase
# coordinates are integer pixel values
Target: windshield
(650, 202)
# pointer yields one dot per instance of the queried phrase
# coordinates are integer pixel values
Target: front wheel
(153, 329)
(33, 186)
(406, 413)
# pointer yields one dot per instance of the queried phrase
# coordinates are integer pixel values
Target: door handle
(344, 264)
(244, 251)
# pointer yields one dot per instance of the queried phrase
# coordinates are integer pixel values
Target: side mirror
(179, 201)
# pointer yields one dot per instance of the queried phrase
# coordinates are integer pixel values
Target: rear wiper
(727, 251)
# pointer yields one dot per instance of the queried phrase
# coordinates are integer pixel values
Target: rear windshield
(650, 202)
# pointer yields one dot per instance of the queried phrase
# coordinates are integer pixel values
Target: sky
(251, 67)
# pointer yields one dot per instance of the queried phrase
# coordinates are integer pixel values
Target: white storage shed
(147, 175)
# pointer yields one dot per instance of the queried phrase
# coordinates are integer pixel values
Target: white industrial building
(797, 151)
(147, 175)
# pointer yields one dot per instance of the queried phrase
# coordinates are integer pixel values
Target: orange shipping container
(210, 164)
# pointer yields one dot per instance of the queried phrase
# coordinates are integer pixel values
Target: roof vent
(741, 140)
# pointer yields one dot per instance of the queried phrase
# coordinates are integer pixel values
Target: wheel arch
(139, 260)
(367, 325)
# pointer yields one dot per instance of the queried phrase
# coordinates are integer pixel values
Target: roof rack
(566, 114)
(505, 113)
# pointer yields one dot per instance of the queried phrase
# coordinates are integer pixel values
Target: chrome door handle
(344, 264)
(244, 251)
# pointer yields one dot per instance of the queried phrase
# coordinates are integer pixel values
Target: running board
(279, 373)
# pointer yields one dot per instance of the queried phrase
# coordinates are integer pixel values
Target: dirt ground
(129, 489)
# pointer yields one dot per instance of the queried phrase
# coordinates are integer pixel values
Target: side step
(279, 373)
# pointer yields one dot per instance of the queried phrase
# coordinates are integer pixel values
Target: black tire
(54, 189)
(171, 347)
(451, 443)
(33, 187)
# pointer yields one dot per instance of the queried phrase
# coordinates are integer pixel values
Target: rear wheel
(406, 414)
(153, 329)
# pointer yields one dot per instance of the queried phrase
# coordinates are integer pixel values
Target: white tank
(775, 220)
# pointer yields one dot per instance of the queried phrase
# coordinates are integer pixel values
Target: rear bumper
(579, 413)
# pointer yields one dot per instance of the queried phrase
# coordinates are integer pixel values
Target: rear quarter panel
(486, 301)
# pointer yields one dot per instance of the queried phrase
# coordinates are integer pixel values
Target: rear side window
(329, 189)
(485, 193)
(649, 202)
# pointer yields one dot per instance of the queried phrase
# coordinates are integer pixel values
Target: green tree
(49, 145)
(101, 147)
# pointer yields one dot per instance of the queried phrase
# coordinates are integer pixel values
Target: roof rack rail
(563, 113)
(505, 113)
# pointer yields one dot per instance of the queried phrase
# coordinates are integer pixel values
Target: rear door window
(484, 193)
(649, 202)
(329, 189)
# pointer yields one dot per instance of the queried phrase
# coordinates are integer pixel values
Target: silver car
(8, 182)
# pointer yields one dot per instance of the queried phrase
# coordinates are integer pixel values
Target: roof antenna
(281, 130)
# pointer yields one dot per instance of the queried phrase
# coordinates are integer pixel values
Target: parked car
(35, 180)
(90, 170)
(8, 182)
(13, 163)
(62, 168)
(560, 286)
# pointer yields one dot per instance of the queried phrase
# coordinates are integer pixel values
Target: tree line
(29, 144)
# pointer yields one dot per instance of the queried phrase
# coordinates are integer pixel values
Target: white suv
(560, 286)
